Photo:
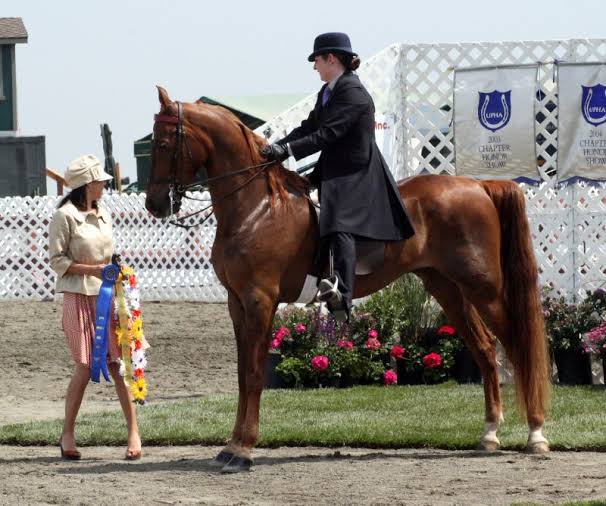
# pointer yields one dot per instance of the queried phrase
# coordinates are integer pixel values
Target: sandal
(69, 454)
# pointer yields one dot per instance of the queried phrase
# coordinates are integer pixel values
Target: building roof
(253, 111)
(12, 31)
(262, 106)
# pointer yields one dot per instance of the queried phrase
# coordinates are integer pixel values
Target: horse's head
(175, 158)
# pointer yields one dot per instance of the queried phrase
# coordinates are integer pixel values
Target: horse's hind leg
(480, 343)
(493, 312)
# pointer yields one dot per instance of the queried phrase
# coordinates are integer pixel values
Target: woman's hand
(96, 270)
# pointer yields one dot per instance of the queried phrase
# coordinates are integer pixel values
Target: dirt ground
(36, 369)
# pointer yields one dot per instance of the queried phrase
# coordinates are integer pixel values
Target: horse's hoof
(221, 459)
(538, 447)
(237, 465)
(489, 446)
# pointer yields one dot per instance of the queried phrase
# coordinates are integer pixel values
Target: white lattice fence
(414, 82)
(172, 263)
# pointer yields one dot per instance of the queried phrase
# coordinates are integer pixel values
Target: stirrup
(328, 291)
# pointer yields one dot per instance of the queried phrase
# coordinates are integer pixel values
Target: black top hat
(333, 42)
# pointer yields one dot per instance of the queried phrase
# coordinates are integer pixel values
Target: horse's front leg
(236, 312)
(259, 309)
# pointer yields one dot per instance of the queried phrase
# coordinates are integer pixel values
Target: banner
(385, 131)
(581, 120)
(494, 119)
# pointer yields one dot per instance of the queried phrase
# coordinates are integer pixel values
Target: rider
(359, 197)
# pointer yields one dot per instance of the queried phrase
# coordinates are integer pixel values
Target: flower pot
(272, 378)
(406, 377)
(465, 369)
(574, 367)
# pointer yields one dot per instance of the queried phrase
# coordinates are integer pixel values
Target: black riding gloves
(274, 152)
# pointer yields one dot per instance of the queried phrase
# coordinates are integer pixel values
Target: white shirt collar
(331, 84)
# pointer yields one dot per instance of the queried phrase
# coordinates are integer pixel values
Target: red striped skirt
(79, 314)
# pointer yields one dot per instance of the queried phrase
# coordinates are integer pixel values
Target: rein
(178, 191)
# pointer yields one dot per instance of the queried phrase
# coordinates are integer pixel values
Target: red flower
(300, 328)
(390, 377)
(276, 343)
(345, 344)
(447, 330)
(136, 313)
(373, 334)
(138, 345)
(132, 281)
(281, 333)
(373, 344)
(138, 373)
(319, 362)
(432, 360)
(397, 352)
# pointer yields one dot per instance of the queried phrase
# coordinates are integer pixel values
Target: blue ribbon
(101, 343)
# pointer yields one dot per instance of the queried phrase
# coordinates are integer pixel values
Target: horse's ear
(163, 97)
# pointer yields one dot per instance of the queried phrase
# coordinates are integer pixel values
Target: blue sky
(94, 62)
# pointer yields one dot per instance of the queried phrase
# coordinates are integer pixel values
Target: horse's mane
(279, 179)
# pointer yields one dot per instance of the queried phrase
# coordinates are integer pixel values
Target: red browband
(165, 118)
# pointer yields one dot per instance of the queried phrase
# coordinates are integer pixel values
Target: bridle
(178, 191)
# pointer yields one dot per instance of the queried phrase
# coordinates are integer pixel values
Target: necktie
(325, 95)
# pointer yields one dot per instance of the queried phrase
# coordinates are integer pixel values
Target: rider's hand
(274, 152)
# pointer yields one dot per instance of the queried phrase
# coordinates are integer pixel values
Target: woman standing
(80, 246)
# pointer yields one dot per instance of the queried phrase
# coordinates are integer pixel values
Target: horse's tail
(527, 345)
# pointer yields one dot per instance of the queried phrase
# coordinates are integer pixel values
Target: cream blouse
(83, 238)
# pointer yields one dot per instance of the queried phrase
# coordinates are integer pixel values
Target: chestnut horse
(472, 249)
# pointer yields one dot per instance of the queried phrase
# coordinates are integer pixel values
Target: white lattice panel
(567, 224)
(414, 82)
(172, 263)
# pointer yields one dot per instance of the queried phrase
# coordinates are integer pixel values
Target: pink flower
(432, 360)
(390, 377)
(281, 333)
(344, 343)
(397, 352)
(373, 334)
(319, 362)
(300, 328)
(447, 329)
(276, 343)
(373, 343)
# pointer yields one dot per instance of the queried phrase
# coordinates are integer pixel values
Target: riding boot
(337, 290)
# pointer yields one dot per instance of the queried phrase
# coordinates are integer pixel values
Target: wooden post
(118, 177)
(58, 179)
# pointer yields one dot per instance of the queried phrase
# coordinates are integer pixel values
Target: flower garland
(129, 333)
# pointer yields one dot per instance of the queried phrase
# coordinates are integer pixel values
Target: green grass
(595, 502)
(442, 416)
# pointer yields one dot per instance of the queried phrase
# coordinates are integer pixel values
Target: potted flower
(594, 340)
(566, 323)
(309, 349)
(465, 369)
(429, 359)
